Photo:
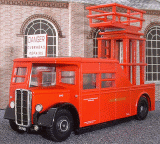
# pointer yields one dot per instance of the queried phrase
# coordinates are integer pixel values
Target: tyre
(62, 126)
(14, 126)
(142, 109)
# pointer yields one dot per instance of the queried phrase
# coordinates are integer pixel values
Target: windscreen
(43, 76)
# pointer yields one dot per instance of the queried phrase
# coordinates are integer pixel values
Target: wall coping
(50, 4)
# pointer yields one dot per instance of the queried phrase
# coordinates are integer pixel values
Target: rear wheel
(142, 109)
(14, 126)
(62, 126)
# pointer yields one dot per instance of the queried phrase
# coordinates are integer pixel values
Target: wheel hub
(63, 125)
(141, 108)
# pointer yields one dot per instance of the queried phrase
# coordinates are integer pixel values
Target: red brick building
(68, 32)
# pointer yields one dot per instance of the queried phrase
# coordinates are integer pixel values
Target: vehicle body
(64, 94)
(109, 95)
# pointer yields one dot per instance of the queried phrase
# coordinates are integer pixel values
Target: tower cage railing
(115, 15)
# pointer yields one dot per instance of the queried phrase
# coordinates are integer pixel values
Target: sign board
(36, 45)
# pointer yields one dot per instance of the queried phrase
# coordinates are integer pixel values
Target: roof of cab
(64, 60)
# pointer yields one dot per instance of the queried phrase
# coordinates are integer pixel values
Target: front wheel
(62, 126)
(142, 109)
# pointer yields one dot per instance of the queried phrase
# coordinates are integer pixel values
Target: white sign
(36, 45)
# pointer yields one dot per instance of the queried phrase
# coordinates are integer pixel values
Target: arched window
(153, 54)
(42, 26)
(95, 43)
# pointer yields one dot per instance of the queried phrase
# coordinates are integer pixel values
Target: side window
(68, 77)
(107, 80)
(19, 74)
(89, 81)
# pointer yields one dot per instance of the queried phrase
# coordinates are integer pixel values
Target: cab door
(20, 76)
(90, 100)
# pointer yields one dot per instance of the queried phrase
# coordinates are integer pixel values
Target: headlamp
(39, 107)
(12, 104)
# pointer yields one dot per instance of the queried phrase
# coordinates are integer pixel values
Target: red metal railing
(110, 14)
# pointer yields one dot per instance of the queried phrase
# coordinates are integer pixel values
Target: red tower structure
(120, 24)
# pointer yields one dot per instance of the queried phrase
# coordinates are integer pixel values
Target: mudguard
(9, 113)
(46, 119)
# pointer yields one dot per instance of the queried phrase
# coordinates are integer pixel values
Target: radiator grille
(23, 107)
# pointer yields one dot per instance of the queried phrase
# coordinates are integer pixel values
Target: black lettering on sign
(36, 39)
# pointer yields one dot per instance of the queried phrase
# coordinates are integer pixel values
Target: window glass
(41, 26)
(107, 84)
(68, 77)
(19, 79)
(89, 81)
(19, 73)
(95, 43)
(106, 80)
(153, 54)
(107, 75)
(43, 76)
(48, 78)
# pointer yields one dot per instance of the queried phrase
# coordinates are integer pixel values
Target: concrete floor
(124, 131)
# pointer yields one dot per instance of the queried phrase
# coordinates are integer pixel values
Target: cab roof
(65, 60)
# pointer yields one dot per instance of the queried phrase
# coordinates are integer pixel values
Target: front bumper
(44, 119)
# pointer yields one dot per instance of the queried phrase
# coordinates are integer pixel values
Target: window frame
(35, 75)
(72, 76)
(153, 54)
(19, 76)
(108, 79)
(95, 43)
(96, 80)
(55, 37)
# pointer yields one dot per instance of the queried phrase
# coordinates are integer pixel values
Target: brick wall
(11, 47)
(76, 29)
(74, 42)
(11, 20)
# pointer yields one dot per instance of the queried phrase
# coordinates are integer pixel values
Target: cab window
(43, 76)
(89, 81)
(107, 80)
(68, 77)
(19, 74)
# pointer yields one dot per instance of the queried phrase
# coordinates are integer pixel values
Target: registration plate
(22, 128)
